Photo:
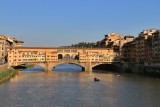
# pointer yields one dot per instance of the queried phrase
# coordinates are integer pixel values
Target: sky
(52, 23)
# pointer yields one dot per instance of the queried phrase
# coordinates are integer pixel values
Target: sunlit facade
(7, 41)
(19, 55)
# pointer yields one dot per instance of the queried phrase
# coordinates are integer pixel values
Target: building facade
(21, 55)
(144, 50)
(5, 42)
(129, 52)
(115, 41)
(156, 48)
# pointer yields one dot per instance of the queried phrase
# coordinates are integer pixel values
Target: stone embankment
(142, 69)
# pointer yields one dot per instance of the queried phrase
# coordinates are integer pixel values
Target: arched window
(67, 57)
(60, 56)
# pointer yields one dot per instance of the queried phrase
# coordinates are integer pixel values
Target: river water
(66, 86)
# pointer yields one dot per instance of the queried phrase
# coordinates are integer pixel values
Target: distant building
(156, 48)
(7, 41)
(129, 52)
(144, 50)
(110, 40)
(114, 41)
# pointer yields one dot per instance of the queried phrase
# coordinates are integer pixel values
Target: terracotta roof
(18, 41)
(57, 48)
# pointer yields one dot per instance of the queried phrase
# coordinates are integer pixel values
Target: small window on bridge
(67, 51)
(60, 51)
(74, 51)
(66, 56)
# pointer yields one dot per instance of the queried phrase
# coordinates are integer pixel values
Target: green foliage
(84, 45)
(6, 73)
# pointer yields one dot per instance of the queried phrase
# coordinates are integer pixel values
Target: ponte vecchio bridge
(48, 58)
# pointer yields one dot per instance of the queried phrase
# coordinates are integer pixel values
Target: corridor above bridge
(22, 55)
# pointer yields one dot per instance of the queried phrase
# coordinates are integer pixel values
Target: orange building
(129, 52)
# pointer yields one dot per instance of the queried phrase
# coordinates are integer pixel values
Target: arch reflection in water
(36, 68)
(67, 68)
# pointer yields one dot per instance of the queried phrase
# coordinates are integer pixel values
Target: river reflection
(72, 88)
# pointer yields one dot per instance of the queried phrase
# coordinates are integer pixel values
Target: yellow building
(7, 41)
(19, 55)
(115, 41)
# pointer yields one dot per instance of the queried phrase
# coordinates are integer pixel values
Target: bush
(6, 74)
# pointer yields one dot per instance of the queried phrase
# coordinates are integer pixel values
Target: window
(60, 51)
(74, 51)
(67, 51)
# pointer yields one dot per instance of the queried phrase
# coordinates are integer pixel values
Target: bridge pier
(47, 67)
(88, 67)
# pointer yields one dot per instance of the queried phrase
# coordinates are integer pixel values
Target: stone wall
(141, 69)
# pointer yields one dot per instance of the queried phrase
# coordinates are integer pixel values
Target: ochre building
(95, 56)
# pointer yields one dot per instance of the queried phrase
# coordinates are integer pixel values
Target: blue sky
(63, 22)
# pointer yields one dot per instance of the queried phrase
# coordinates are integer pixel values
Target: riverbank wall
(141, 69)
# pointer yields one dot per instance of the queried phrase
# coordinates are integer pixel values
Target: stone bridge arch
(116, 66)
(86, 66)
(67, 57)
(97, 64)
